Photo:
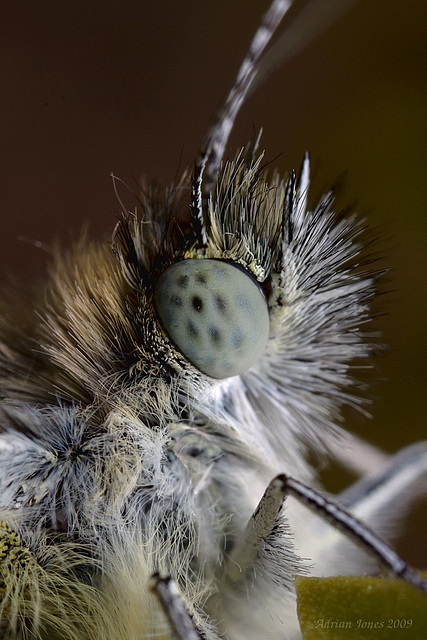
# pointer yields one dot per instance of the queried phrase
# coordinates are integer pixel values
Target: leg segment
(354, 529)
(174, 607)
(265, 516)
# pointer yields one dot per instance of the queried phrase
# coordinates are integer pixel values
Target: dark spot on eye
(214, 334)
(197, 303)
(176, 301)
(192, 451)
(183, 281)
(192, 329)
(201, 278)
(237, 339)
(220, 304)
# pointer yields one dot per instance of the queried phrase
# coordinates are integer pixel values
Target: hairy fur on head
(136, 454)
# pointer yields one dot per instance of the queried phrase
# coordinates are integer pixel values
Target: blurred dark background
(92, 87)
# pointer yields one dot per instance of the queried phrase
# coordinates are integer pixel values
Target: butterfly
(160, 404)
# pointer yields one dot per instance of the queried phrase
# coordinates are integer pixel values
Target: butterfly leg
(393, 486)
(264, 518)
(380, 499)
(175, 609)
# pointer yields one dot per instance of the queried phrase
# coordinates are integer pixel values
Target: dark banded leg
(175, 609)
(262, 521)
(354, 529)
(401, 478)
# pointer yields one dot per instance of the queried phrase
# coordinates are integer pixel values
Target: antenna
(209, 160)
(313, 17)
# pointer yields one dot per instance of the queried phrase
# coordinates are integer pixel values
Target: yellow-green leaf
(350, 608)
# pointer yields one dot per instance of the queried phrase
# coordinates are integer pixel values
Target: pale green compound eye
(215, 313)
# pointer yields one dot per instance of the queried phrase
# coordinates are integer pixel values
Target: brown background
(93, 87)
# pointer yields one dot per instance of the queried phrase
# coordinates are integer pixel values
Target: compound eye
(215, 313)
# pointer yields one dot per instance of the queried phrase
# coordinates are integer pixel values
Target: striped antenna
(209, 160)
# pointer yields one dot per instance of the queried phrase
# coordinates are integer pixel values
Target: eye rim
(260, 297)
